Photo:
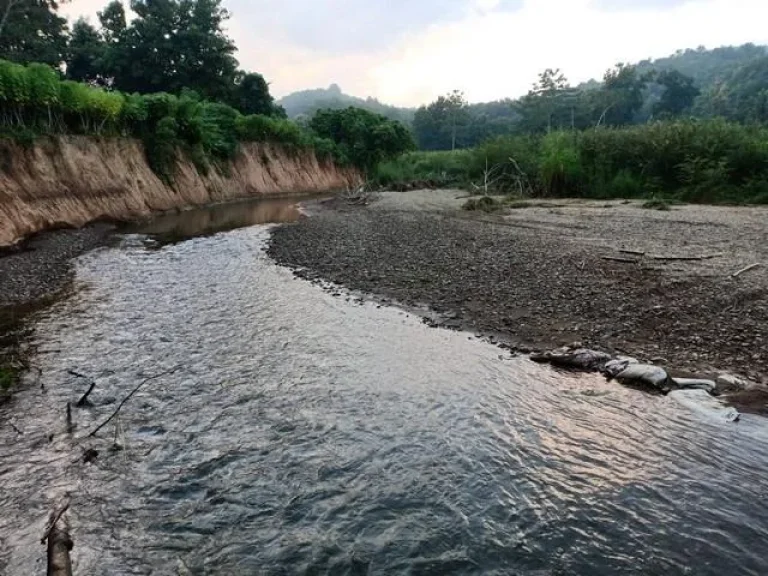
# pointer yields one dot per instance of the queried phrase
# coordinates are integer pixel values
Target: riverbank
(553, 273)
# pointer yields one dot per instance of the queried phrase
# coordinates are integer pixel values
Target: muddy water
(305, 433)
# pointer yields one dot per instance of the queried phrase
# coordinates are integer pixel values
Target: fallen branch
(634, 252)
(688, 258)
(117, 411)
(625, 260)
(84, 400)
(745, 270)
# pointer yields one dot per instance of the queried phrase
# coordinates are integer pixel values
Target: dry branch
(625, 260)
(745, 270)
(120, 406)
(634, 252)
(84, 400)
(687, 258)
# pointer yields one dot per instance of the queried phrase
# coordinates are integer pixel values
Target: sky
(407, 52)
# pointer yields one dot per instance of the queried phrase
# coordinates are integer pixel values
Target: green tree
(679, 93)
(440, 125)
(621, 95)
(32, 31)
(361, 137)
(85, 53)
(170, 45)
(251, 95)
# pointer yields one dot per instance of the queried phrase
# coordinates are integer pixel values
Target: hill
(306, 102)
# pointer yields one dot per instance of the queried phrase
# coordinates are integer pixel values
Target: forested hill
(706, 67)
(306, 102)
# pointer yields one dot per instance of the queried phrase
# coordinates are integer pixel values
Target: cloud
(641, 4)
(343, 26)
(409, 51)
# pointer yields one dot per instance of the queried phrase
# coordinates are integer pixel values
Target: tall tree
(440, 125)
(678, 95)
(251, 95)
(85, 53)
(622, 95)
(170, 45)
(32, 31)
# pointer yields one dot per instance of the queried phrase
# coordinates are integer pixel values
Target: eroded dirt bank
(539, 278)
(70, 181)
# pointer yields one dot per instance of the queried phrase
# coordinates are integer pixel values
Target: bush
(34, 100)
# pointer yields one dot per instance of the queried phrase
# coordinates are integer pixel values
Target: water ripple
(307, 434)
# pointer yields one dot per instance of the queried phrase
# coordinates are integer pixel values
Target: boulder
(580, 359)
(645, 375)
(695, 384)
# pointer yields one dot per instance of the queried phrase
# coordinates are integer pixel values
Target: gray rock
(646, 374)
(580, 359)
(617, 366)
(731, 382)
(695, 384)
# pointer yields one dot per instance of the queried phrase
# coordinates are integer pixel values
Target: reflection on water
(306, 434)
(177, 226)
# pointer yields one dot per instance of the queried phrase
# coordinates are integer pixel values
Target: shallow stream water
(307, 433)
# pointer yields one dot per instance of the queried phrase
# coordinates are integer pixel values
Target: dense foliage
(692, 160)
(34, 100)
(362, 138)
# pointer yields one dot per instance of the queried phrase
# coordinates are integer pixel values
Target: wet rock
(615, 367)
(702, 403)
(731, 383)
(645, 375)
(580, 359)
(695, 384)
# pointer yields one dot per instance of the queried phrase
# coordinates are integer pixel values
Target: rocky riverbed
(656, 285)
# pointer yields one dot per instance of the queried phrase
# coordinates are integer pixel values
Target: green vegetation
(687, 160)
(8, 378)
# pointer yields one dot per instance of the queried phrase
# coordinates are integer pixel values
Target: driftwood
(59, 545)
(83, 402)
(70, 424)
(745, 270)
(120, 406)
(625, 260)
(633, 252)
(688, 258)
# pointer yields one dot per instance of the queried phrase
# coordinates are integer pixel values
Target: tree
(251, 95)
(622, 95)
(85, 53)
(439, 126)
(361, 137)
(170, 45)
(678, 95)
(32, 31)
(551, 102)
(457, 113)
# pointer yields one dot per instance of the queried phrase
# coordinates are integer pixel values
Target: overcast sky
(406, 52)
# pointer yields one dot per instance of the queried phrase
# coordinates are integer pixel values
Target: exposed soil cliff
(71, 181)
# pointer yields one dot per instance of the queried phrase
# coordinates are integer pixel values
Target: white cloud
(487, 52)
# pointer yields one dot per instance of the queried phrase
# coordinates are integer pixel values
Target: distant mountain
(306, 102)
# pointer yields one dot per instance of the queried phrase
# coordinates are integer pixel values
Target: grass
(8, 378)
(483, 204)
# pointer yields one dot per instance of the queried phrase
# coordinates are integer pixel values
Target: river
(305, 431)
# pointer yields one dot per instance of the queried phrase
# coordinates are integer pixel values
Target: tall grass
(689, 160)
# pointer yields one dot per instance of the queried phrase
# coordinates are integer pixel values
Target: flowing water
(307, 433)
